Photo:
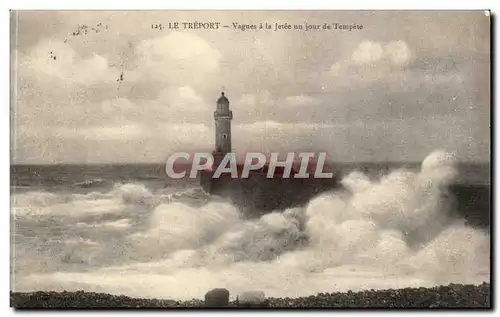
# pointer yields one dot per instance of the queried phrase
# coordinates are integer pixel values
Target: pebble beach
(450, 296)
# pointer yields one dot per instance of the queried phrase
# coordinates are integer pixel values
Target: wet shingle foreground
(453, 295)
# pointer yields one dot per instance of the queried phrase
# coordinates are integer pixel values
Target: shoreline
(450, 296)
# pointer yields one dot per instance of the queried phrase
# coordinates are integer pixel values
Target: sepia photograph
(250, 159)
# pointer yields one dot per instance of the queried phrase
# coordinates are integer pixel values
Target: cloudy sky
(406, 84)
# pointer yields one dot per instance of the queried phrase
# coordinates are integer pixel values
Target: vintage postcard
(250, 159)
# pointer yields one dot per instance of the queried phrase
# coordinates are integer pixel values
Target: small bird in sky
(119, 80)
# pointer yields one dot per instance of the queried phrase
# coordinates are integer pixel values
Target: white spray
(385, 233)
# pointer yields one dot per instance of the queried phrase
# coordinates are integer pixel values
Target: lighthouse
(255, 193)
(223, 116)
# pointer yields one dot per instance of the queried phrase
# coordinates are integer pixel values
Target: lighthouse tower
(223, 117)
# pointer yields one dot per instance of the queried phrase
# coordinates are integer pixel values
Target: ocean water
(125, 229)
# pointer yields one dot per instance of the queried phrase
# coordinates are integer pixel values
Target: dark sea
(126, 229)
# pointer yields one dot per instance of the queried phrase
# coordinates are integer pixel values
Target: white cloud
(70, 109)
(123, 132)
(398, 52)
(180, 133)
(262, 104)
(181, 47)
(187, 132)
(367, 52)
(376, 62)
(114, 106)
(182, 99)
(263, 126)
(178, 57)
(372, 61)
(101, 133)
(58, 60)
(274, 127)
(254, 106)
(299, 101)
(255, 100)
